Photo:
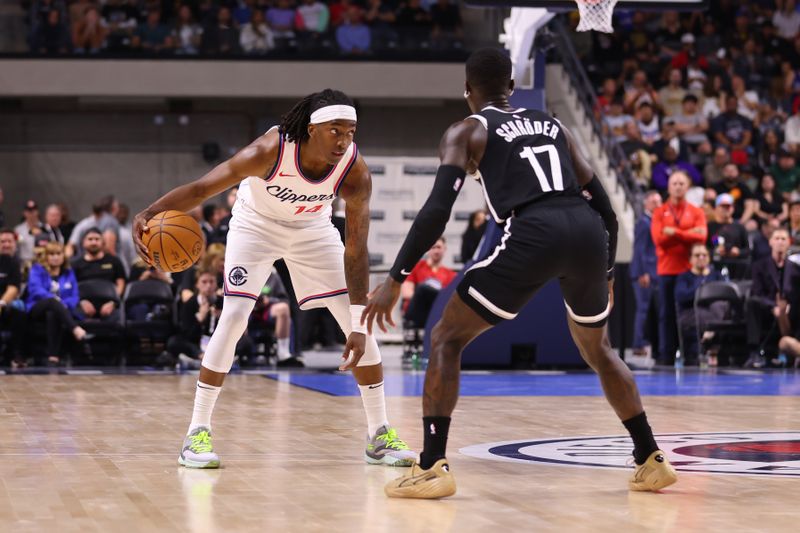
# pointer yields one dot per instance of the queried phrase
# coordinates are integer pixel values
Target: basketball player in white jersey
(287, 181)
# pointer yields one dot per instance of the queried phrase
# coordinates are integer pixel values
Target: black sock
(435, 429)
(643, 441)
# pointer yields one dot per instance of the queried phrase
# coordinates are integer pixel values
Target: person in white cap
(287, 180)
(728, 240)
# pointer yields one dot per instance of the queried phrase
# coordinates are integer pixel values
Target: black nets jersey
(526, 159)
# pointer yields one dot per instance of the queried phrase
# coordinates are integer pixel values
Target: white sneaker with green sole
(386, 448)
(198, 452)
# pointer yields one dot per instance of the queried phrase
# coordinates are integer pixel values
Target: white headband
(333, 112)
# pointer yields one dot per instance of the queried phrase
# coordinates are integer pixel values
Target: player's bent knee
(236, 311)
(602, 360)
(280, 309)
(372, 355)
(370, 358)
(447, 344)
(234, 317)
(784, 344)
(599, 361)
(442, 332)
(445, 333)
(216, 367)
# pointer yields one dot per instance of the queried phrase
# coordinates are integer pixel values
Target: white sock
(374, 405)
(204, 399)
(283, 349)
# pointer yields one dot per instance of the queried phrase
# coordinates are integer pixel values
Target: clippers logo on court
(762, 453)
(237, 276)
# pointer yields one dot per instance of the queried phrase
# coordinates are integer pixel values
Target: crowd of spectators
(707, 108)
(678, 247)
(676, 81)
(242, 27)
(60, 281)
(63, 283)
(706, 105)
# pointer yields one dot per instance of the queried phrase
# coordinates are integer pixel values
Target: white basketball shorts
(312, 249)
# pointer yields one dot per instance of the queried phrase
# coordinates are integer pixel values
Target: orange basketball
(175, 241)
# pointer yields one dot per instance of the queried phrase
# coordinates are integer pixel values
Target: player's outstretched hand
(139, 228)
(381, 302)
(353, 351)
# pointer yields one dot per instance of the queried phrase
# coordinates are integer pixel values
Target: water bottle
(419, 361)
(678, 360)
(725, 273)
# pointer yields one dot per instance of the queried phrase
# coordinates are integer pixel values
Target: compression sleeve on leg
(232, 324)
(339, 306)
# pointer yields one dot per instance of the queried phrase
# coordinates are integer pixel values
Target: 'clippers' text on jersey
(287, 194)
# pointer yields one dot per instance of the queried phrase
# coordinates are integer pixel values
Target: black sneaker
(756, 360)
(292, 362)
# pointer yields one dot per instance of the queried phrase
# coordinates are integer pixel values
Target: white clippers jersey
(286, 194)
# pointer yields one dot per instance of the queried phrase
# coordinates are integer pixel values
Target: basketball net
(596, 15)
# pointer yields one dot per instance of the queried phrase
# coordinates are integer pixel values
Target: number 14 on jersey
(302, 209)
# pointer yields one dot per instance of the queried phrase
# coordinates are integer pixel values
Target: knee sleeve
(339, 306)
(232, 324)
(372, 355)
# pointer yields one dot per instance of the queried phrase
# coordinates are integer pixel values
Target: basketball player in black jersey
(534, 180)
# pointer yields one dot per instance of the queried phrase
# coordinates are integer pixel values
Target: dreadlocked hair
(294, 124)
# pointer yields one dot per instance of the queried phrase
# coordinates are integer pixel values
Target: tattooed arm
(356, 191)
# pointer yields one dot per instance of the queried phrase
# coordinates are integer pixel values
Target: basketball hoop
(596, 15)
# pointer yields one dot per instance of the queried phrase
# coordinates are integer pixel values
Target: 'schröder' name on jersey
(285, 194)
(512, 129)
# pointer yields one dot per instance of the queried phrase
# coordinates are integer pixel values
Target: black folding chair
(155, 304)
(107, 331)
(744, 286)
(730, 331)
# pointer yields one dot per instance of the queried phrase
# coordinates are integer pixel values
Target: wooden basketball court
(98, 453)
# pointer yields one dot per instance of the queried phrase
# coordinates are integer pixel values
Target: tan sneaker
(436, 482)
(655, 474)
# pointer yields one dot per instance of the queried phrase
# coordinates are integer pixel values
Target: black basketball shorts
(559, 238)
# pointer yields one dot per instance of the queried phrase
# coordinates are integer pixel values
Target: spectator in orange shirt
(676, 226)
(422, 286)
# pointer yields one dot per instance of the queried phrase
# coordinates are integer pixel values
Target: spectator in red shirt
(676, 226)
(421, 287)
(337, 11)
(681, 59)
(608, 94)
